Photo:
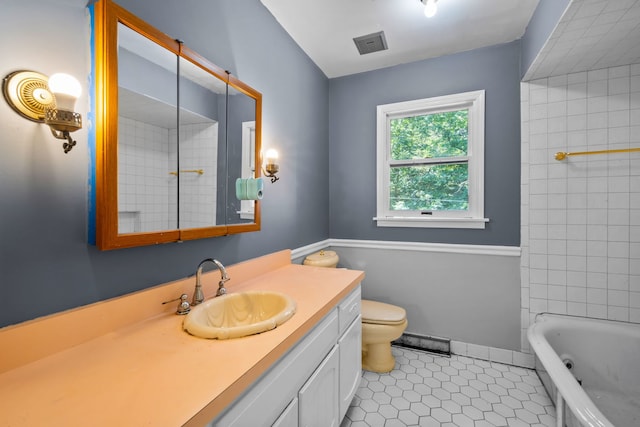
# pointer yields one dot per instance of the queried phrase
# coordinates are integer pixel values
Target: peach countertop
(127, 362)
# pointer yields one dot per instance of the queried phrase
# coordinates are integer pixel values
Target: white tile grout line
(436, 390)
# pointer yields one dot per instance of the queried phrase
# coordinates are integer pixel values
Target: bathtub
(590, 368)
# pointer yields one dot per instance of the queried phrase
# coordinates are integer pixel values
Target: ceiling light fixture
(430, 7)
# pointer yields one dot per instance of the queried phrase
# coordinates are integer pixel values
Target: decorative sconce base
(62, 122)
(67, 146)
(28, 93)
(270, 171)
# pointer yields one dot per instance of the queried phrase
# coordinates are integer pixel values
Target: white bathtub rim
(578, 401)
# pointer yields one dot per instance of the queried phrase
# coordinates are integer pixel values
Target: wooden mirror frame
(107, 15)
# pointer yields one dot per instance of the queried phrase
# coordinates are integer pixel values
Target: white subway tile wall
(143, 174)
(580, 232)
(198, 151)
(493, 354)
(146, 156)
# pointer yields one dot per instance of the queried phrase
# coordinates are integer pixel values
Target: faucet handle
(183, 306)
(221, 289)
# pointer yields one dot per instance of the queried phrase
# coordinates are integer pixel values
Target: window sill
(477, 223)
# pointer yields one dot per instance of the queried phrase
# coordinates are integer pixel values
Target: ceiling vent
(371, 43)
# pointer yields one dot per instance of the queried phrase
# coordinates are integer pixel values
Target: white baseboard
(493, 354)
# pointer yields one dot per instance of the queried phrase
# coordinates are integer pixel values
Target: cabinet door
(289, 417)
(318, 398)
(350, 349)
(349, 309)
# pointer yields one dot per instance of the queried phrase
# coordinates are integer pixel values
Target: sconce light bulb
(271, 156)
(430, 8)
(66, 89)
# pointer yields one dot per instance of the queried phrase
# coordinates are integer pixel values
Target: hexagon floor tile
(430, 390)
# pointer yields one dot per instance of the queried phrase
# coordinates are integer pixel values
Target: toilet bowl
(381, 323)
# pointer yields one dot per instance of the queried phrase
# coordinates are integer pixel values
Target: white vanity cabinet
(289, 418)
(350, 349)
(313, 384)
(318, 397)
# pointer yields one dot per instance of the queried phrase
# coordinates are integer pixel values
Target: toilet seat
(379, 313)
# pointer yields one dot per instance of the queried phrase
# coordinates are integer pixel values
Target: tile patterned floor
(430, 390)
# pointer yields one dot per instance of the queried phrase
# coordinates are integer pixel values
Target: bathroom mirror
(169, 138)
(241, 154)
(202, 147)
(147, 139)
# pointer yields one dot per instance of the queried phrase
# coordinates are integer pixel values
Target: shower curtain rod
(561, 155)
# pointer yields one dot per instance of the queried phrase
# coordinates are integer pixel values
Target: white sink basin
(238, 315)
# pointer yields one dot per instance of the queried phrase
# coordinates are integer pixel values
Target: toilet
(381, 322)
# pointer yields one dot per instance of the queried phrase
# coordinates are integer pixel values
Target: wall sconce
(270, 165)
(49, 100)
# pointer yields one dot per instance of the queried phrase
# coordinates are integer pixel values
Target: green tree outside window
(429, 168)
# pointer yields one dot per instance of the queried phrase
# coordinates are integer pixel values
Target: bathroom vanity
(314, 383)
(127, 361)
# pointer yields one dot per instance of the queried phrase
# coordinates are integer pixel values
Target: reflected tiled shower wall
(580, 231)
(198, 151)
(148, 192)
(143, 165)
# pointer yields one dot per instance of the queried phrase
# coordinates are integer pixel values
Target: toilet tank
(323, 258)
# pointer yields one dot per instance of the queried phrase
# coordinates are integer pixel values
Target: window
(430, 167)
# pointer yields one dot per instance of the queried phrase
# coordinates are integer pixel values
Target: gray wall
(352, 127)
(46, 264)
(542, 24)
(145, 77)
(473, 298)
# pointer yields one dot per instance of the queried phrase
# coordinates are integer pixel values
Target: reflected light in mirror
(271, 164)
(430, 8)
(271, 156)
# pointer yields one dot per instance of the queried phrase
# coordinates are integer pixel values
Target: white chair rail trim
(407, 246)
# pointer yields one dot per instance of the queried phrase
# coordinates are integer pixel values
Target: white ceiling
(591, 35)
(143, 108)
(325, 29)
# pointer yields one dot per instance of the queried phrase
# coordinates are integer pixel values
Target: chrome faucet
(198, 296)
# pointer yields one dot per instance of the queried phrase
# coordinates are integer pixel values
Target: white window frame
(248, 168)
(474, 216)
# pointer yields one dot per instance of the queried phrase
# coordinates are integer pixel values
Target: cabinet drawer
(349, 309)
